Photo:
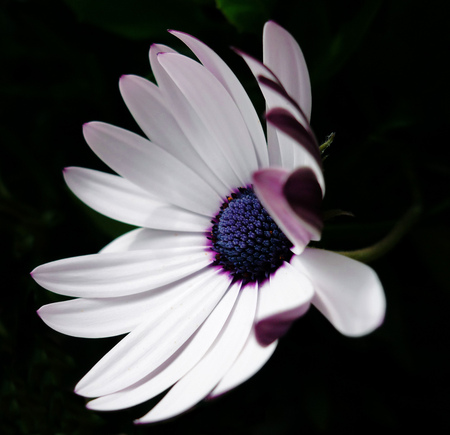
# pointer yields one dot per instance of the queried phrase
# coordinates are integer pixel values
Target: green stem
(327, 143)
(371, 253)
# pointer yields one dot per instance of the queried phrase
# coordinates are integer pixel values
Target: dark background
(379, 77)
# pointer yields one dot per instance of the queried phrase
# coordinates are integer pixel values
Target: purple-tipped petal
(282, 300)
(284, 57)
(269, 185)
(285, 121)
(274, 85)
(304, 195)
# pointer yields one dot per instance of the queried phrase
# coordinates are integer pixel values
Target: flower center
(247, 241)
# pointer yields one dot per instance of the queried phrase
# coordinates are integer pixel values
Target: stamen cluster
(247, 241)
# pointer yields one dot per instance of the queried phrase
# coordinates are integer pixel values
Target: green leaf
(246, 15)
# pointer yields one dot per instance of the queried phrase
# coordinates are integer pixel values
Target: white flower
(209, 282)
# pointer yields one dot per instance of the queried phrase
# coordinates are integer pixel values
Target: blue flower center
(247, 241)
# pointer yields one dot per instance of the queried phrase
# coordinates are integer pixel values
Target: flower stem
(377, 250)
(327, 143)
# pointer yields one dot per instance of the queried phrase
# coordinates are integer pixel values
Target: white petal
(144, 238)
(153, 342)
(152, 168)
(217, 110)
(158, 71)
(281, 149)
(119, 273)
(148, 107)
(107, 317)
(283, 56)
(122, 200)
(347, 292)
(223, 73)
(192, 125)
(283, 299)
(202, 379)
(176, 366)
(251, 359)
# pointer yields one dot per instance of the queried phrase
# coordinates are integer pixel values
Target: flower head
(219, 268)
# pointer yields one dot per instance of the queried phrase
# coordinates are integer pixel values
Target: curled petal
(286, 122)
(347, 292)
(282, 299)
(294, 207)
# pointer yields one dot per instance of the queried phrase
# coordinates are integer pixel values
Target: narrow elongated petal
(154, 341)
(282, 54)
(178, 365)
(149, 108)
(223, 73)
(269, 186)
(107, 317)
(214, 106)
(145, 238)
(286, 122)
(347, 292)
(251, 359)
(282, 299)
(122, 200)
(191, 124)
(285, 149)
(158, 71)
(151, 167)
(201, 380)
(119, 273)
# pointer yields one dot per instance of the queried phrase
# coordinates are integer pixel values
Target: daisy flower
(219, 267)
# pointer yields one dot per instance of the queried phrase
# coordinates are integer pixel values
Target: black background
(379, 76)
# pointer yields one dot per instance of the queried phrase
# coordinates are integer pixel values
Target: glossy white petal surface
(149, 108)
(202, 379)
(283, 150)
(176, 366)
(146, 238)
(282, 54)
(154, 341)
(152, 168)
(122, 200)
(251, 359)
(217, 110)
(107, 317)
(193, 127)
(347, 292)
(119, 273)
(223, 73)
(282, 299)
